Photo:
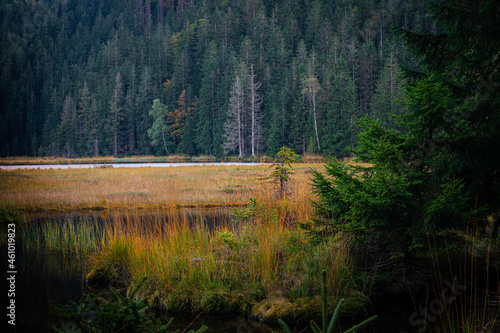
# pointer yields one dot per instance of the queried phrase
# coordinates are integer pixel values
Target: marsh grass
(141, 188)
(193, 265)
(142, 159)
(104, 159)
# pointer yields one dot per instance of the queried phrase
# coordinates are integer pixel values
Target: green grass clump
(9, 214)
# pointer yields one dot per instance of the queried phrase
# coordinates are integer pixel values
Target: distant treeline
(100, 77)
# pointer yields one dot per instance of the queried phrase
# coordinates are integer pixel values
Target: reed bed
(194, 264)
(68, 238)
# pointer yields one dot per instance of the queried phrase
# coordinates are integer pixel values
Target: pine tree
(341, 112)
(188, 143)
(68, 126)
(208, 105)
(367, 71)
(159, 131)
(177, 119)
(388, 92)
(315, 19)
(130, 111)
(182, 73)
(463, 140)
(83, 113)
(94, 129)
(279, 130)
(388, 195)
(116, 114)
(281, 175)
(143, 106)
(439, 172)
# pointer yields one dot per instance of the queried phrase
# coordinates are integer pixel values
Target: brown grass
(142, 188)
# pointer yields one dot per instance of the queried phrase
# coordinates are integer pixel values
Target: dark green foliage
(248, 214)
(97, 315)
(60, 61)
(388, 93)
(392, 192)
(439, 172)
(9, 214)
(464, 59)
(159, 131)
(342, 110)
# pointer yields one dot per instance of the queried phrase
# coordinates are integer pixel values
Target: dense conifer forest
(201, 77)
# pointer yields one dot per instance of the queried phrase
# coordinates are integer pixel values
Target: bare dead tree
(234, 125)
(256, 116)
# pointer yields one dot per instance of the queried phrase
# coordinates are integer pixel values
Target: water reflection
(45, 278)
(212, 218)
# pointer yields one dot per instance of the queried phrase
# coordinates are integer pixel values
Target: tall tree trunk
(315, 122)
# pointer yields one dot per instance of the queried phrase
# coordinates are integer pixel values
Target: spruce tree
(116, 115)
(341, 112)
(208, 109)
(83, 114)
(439, 173)
(68, 127)
(159, 132)
(388, 92)
(463, 140)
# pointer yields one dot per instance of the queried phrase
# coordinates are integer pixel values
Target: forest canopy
(101, 77)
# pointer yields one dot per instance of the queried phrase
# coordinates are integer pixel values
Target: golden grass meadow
(148, 187)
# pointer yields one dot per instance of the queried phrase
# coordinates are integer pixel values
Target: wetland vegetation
(249, 257)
